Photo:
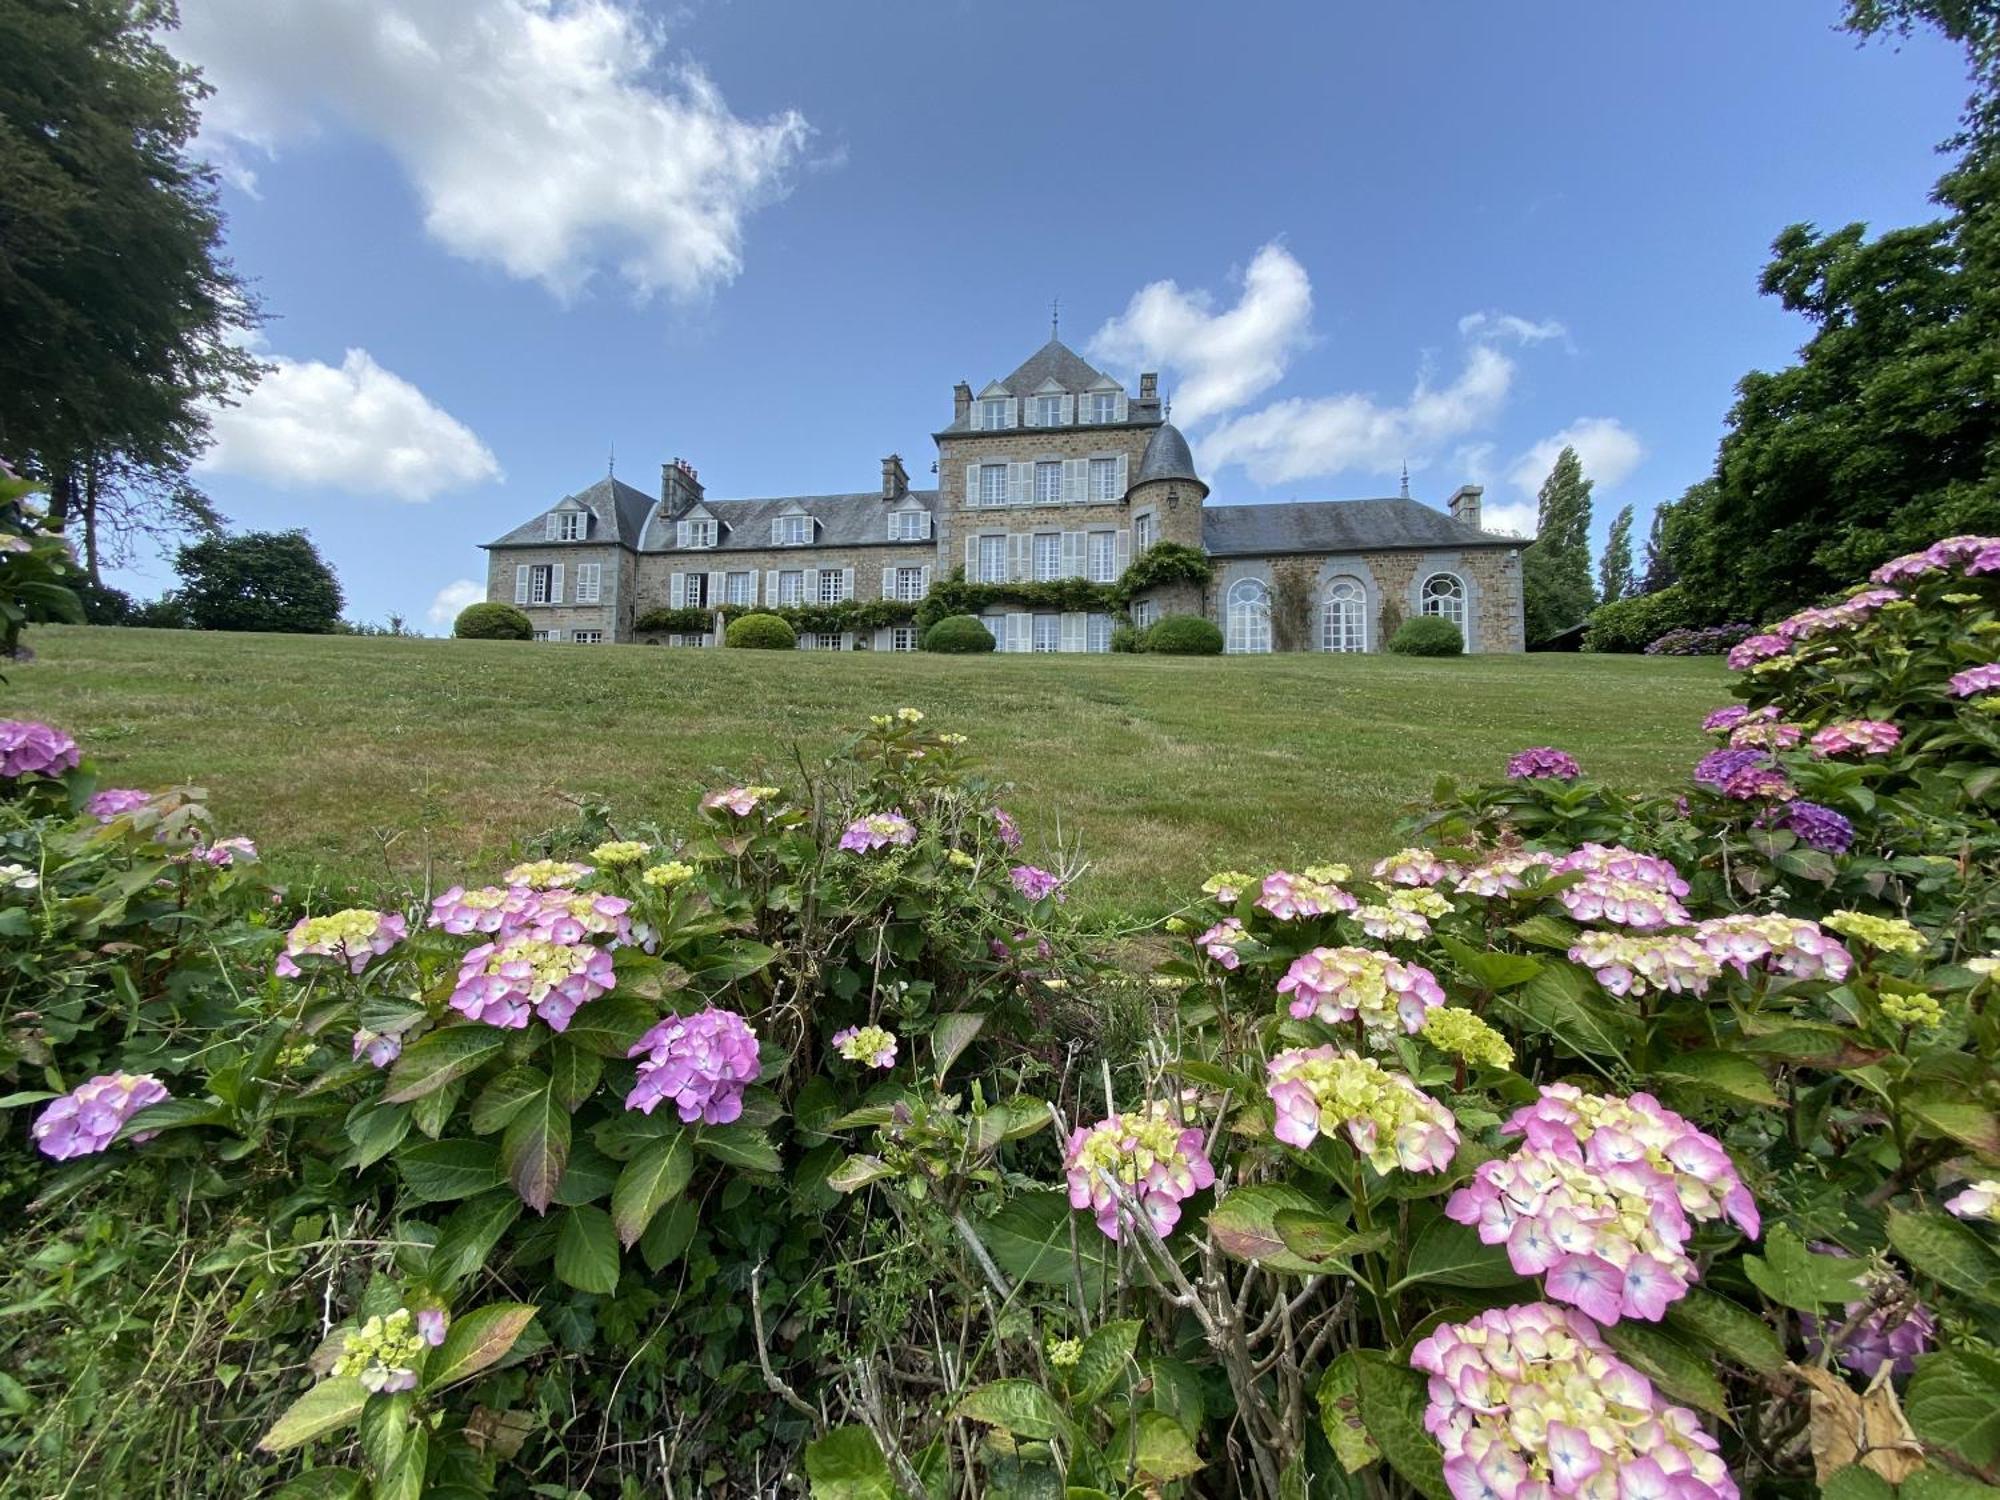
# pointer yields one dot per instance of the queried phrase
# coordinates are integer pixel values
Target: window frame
(836, 580)
(586, 637)
(1107, 492)
(1110, 558)
(691, 584)
(999, 546)
(1103, 407)
(541, 581)
(1352, 629)
(915, 592)
(791, 586)
(1048, 469)
(590, 583)
(826, 640)
(1145, 531)
(1145, 613)
(569, 526)
(909, 525)
(1048, 411)
(1054, 548)
(1247, 619)
(988, 496)
(993, 413)
(749, 578)
(1455, 593)
(1097, 633)
(903, 638)
(1036, 625)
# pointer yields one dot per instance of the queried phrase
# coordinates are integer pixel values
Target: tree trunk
(88, 515)
(62, 494)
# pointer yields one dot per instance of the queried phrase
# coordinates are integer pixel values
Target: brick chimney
(1149, 386)
(1464, 504)
(680, 488)
(961, 405)
(895, 480)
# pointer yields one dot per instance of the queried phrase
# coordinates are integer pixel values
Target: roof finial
(1406, 479)
(611, 463)
(1167, 410)
(1055, 317)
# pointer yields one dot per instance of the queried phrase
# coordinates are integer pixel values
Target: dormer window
(792, 531)
(1048, 411)
(1104, 406)
(694, 534)
(995, 414)
(565, 525)
(909, 525)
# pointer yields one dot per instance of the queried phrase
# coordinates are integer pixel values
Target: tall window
(737, 588)
(589, 582)
(694, 534)
(993, 414)
(1343, 616)
(694, 590)
(1145, 612)
(909, 525)
(792, 531)
(1444, 596)
(1102, 557)
(992, 484)
(909, 583)
(1048, 483)
(1048, 411)
(1048, 556)
(1104, 406)
(1104, 479)
(792, 586)
(1048, 633)
(992, 559)
(1145, 531)
(1097, 633)
(539, 583)
(1249, 617)
(832, 585)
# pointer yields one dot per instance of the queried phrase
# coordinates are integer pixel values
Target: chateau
(1056, 472)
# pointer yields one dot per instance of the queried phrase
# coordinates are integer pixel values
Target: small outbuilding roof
(1336, 526)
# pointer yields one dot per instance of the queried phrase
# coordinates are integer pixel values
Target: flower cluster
(501, 983)
(356, 937)
(620, 852)
(88, 1118)
(1339, 984)
(380, 1047)
(383, 1352)
(545, 874)
(1975, 554)
(1393, 923)
(1503, 874)
(878, 831)
(1601, 1199)
(19, 877)
(1648, 963)
(1620, 863)
(1287, 896)
(1766, 734)
(1916, 1009)
(867, 1044)
(114, 802)
(1226, 885)
(1758, 648)
(1528, 1401)
(1150, 1161)
(674, 872)
(1220, 941)
(1886, 1325)
(1810, 623)
(1856, 736)
(740, 800)
(1034, 883)
(1790, 946)
(1003, 826)
(702, 1062)
(565, 916)
(1723, 720)
(1980, 679)
(1543, 762)
(1741, 773)
(31, 749)
(1414, 867)
(1453, 1029)
(1393, 1123)
(1600, 897)
(1977, 1200)
(1889, 934)
(1818, 827)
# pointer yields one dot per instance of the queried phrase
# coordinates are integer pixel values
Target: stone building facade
(1054, 473)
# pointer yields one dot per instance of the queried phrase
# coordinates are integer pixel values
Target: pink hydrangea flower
(431, 1324)
(1982, 679)
(1220, 941)
(114, 802)
(380, 1047)
(1035, 884)
(221, 854)
(1287, 896)
(1790, 946)
(1390, 1121)
(1621, 863)
(867, 1044)
(1643, 963)
(565, 916)
(1976, 1200)
(1600, 897)
(1010, 836)
(740, 800)
(356, 937)
(1503, 874)
(502, 983)
(878, 831)
(489, 909)
(1757, 648)
(1723, 720)
(1860, 736)
(1768, 734)
(701, 1062)
(88, 1118)
(1340, 984)
(1808, 624)
(1415, 867)
(1149, 1162)
(1543, 762)
(31, 749)
(1973, 554)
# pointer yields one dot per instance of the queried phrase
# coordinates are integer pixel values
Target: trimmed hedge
(1182, 635)
(1634, 624)
(492, 622)
(1428, 635)
(958, 635)
(761, 633)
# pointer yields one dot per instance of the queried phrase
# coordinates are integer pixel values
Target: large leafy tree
(120, 318)
(1555, 569)
(261, 580)
(1614, 569)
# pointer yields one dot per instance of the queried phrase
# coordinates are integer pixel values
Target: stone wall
(656, 569)
(611, 614)
(954, 518)
(1391, 582)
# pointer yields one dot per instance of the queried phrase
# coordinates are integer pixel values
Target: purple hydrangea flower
(1004, 826)
(1714, 769)
(1888, 1325)
(31, 749)
(878, 831)
(1757, 648)
(357, 937)
(431, 1323)
(1982, 679)
(1725, 719)
(380, 1047)
(1819, 827)
(1034, 883)
(1866, 736)
(702, 1062)
(1543, 762)
(88, 1118)
(115, 802)
(501, 984)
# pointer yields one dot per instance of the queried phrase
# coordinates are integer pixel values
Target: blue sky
(497, 237)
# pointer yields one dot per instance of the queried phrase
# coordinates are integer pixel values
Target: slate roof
(856, 520)
(620, 511)
(1055, 361)
(1336, 526)
(1167, 457)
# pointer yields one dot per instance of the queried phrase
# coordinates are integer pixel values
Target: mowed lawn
(354, 756)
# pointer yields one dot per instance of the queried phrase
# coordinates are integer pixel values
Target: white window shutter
(715, 584)
(550, 526)
(1076, 481)
(924, 580)
(555, 584)
(1121, 556)
(521, 585)
(1020, 628)
(972, 484)
(1118, 415)
(1017, 557)
(847, 583)
(1072, 632)
(1020, 483)
(771, 589)
(812, 586)
(971, 559)
(1031, 415)
(882, 641)
(676, 590)
(1069, 410)
(774, 531)
(1010, 413)
(1072, 554)
(1121, 474)
(888, 583)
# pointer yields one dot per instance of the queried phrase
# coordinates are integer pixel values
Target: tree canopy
(1555, 569)
(260, 580)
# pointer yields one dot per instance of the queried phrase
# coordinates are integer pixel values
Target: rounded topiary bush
(760, 633)
(958, 635)
(492, 622)
(1183, 635)
(1427, 635)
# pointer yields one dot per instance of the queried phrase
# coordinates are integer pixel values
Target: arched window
(1249, 616)
(1444, 596)
(1343, 616)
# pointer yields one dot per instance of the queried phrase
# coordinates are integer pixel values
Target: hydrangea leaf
(439, 1171)
(668, 1236)
(536, 1149)
(1450, 1254)
(1730, 1074)
(1675, 1366)
(1947, 1250)
(1490, 970)
(1735, 1331)
(1322, 1238)
(1790, 1274)
(326, 1484)
(588, 1177)
(587, 1251)
(436, 1058)
(1340, 1414)
(650, 1181)
(1954, 1401)
(505, 1097)
(327, 1407)
(846, 1464)
(1105, 1357)
(1392, 1402)
(1019, 1407)
(856, 1172)
(1038, 1238)
(609, 1025)
(469, 1236)
(1558, 1001)
(475, 1341)
(747, 1150)
(1160, 1448)
(951, 1036)
(1244, 1226)
(573, 1072)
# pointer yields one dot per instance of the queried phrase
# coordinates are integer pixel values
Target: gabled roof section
(1054, 365)
(853, 520)
(620, 513)
(1337, 526)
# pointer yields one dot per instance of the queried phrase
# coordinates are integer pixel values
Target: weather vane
(611, 463)
(1055, 316)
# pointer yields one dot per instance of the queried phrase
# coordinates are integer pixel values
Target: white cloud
(547, 137)
(1492, 325)
(353, 427)
(454, 597)
(1608, 448)
(1223, 359)
(1299, 438)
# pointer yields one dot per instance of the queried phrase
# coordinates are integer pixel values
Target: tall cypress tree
(1614, 570)
(1555, 570)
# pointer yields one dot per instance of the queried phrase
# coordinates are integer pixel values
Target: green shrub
(695, 621)
(959, 635)
(760, 633)
(492, 622)
(1182, 635)
(1630, 625)
(1427, 635)
(1124, 639)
